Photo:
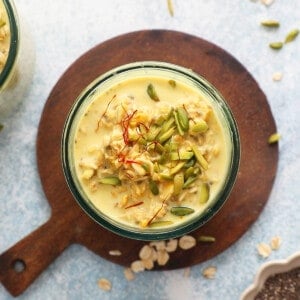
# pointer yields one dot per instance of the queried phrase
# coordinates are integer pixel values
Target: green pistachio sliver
(274, 138)
(165, 136)
(183, 119)
(160, 224)
(165, 176)
(188, 173)
(203, 192)
(206, 239)
(190, 163)
(153, 187)
(178, 183)
(181, 211)
(291, 35)
(110, 180)
(172, 83)
(200, 158)
(276, 45)
(177, 168)
(152, 92)
(160, 120)
(159, 148)
(179, 128)
(199, 127)
(270, 23)
(189, 181)
(167, 125)
(153, 133)
(181, 155)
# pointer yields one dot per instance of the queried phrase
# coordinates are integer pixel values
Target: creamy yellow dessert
(4, 36)
(151, 151)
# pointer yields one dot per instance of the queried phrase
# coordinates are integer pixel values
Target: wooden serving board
(69, 224)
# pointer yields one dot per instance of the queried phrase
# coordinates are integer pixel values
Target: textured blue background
(62, 31)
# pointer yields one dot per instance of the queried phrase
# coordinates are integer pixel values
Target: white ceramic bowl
(268, 269)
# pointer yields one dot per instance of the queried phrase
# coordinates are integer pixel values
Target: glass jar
(177, 74)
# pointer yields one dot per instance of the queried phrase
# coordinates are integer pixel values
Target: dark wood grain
(69, 224)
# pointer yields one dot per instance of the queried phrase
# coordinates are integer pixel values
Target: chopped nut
(264, 250)
(162, 257)
(137, 266)
(115, 253)
(171, 245)
(104, 284)
(277, 76)
(209, 272)
(187, 242)
(129, 275)
(145, 252)
(276, 242)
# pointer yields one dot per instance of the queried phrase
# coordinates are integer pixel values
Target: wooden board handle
(22, 263)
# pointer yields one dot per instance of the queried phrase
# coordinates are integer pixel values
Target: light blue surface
(62, 31)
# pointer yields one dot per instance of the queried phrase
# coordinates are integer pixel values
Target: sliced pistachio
(199, 127)
(270, 23)
(203, 192)
(153, 133)
(152, 92)
(153, 187)
(160, 120)
(165, 176)
(179, 128)
(172, 83)
(190, 163)
(178, 183)
(206, 239)
(276, 45)
(200, 158)
(160, 224)
(189, 181)
(188, 173)
(183, 118)
(165, 136)
(111, 180)
(169, 123)
(177, 168)
(291, 35)
(159, 148)
(274, 138)
(181, 155)
(181, 211)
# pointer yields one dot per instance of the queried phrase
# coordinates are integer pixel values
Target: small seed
(264, 250)
(274, 138)
(277, 76)
(276, 45)
(206, 239)
(187, 242)
(270, 23)
(276, 242)
(172, 83)
(104, 284)
(181, 211)
(291, 35)
(152, 92)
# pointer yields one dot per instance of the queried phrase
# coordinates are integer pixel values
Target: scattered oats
(159, 245)
(129, 275)
(276, 242)
(170, 8)
(264, 250)
(137, 266)
(187, 272)
(145, 252)
(154, 255)
(115, 252)
(148, 263)
(162, 257)
(267, 2)
(187, 242)
(104, 284)
(277, 76)
(209, 272)
(171, 245)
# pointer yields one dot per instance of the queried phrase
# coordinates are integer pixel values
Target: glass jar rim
(14, 41)
(181, 229)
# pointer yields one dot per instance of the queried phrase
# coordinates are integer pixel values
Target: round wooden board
(69, 224)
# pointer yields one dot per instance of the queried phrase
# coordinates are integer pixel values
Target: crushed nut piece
(115, 252)
(129, 275)
(276, 242)
(137, 266)
(162, 257)
(187, 242)
(209, 272)
(171, 245)
(264, 250)
(277, 76)
(145, 252)
(104, 284)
